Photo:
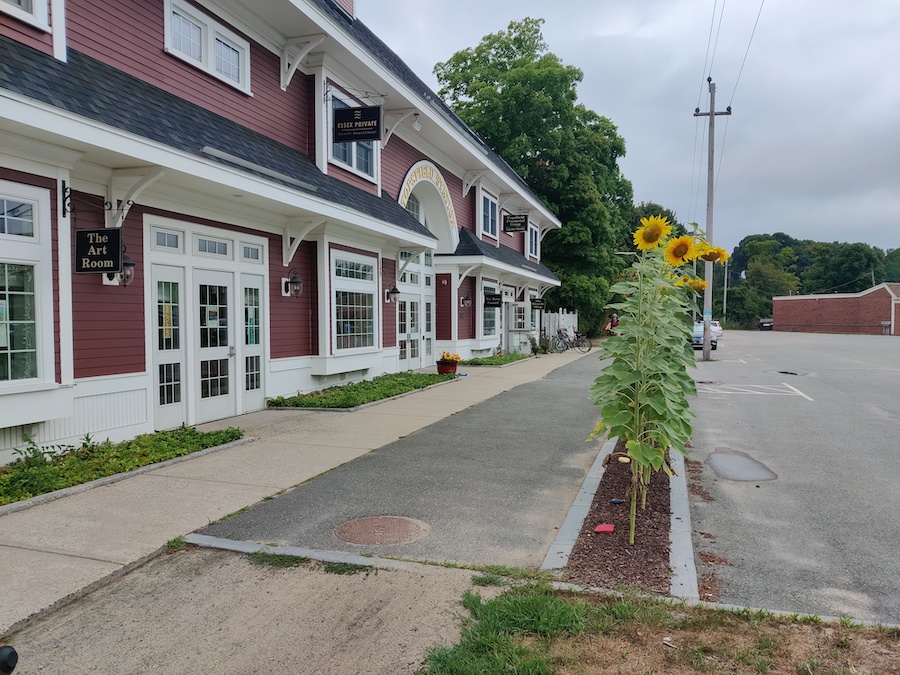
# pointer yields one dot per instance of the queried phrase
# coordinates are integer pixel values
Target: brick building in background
(875, 311)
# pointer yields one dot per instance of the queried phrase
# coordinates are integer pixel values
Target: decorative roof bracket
(294, 51)
(392, 126)
(470, 178)
(464, 274)
(405, 263)
(115, 217)
(293, 234)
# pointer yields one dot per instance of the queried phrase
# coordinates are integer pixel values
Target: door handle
(231, 351)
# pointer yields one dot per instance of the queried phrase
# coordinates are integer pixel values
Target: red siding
(108, 321)
(467, 314)
(443, 298)
(335, 171)
(293, 322)
(861, 314)
(347, 6)
(129, 35)
(389, 309)
(27, 35)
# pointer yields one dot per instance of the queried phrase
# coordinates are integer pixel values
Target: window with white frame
(533, 242)
(489, 321)
(356, 155)
(196, 38)
(32, 12)
(355, 292)
(26, 294)
(488, 214)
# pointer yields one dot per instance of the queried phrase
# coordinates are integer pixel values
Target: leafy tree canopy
(521, 99)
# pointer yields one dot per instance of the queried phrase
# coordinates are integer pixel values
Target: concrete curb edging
(322, 556)
(681, 549)
(558, 555)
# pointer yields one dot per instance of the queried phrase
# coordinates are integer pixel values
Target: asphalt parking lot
(821, 412)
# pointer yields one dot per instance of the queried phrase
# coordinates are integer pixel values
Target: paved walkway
(53, 551)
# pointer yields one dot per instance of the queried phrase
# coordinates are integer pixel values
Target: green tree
(843, 268)
(892, 265)
(521, 99)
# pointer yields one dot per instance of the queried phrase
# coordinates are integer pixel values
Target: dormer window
(33, 12)
(358, 156)
(488, 215)
(196, 38)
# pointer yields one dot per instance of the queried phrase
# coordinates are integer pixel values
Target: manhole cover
(375, 530)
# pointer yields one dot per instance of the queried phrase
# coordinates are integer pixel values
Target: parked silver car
(697, 338)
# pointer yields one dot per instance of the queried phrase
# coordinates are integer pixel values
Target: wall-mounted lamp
(416, 124)
(126, 276)
(292, 287)
(465, 301)
(391, 294)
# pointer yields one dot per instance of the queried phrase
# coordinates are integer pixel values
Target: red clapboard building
(206, 203)
(874, 311)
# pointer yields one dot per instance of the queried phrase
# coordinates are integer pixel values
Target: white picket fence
(561, 319)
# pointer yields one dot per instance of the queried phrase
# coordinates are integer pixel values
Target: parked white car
(697, 337)
(717, 329)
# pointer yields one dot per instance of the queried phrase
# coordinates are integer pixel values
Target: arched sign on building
(425, 171)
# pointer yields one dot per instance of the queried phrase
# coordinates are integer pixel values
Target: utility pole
(725, 294)
(710, 188)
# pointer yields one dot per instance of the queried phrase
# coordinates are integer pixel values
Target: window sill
(343, 363)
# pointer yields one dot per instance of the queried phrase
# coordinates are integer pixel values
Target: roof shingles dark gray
(91, 89)
(471, 245)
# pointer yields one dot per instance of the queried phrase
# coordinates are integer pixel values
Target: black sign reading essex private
(493, 300)
(515, 222)
(98, 250)
(357, 124)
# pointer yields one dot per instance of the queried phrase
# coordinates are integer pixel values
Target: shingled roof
(470, 245)
(89, 88)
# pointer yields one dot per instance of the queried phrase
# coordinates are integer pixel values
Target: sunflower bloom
(680, 249)
(681, 281)
(697, 284)
(652, 230)
(713, 254)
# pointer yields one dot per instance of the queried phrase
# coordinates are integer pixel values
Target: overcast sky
(812, 147)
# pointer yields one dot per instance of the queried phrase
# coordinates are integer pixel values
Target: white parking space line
(754, 389)
(808, 398)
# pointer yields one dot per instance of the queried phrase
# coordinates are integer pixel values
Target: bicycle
(561, 342)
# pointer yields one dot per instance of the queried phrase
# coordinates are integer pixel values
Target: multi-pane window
(168, 320)
(168, 240)
(213, 308)
(212, 247)
(489, 322)
(213, 378)
(414, 207)
(355, 319)
(251, 253)
(251, 316)
(16, 218)
(488, 215)
(18, 327)
(169, 383)
(353, 279)
(358, 155)
(253, 377)
(200, 40)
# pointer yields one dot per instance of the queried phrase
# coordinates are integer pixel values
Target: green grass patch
(41, 469)
(277, 559)
(346, 568)
(176, 544)
(360, 393)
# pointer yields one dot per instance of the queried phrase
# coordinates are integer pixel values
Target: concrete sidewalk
(56, 551)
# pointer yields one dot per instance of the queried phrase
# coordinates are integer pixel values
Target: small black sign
(98, 251)
(515, 222)
(357, 124)
(537, 303)
(493, 300)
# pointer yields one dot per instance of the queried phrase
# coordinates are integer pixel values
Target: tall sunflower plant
(643, 392)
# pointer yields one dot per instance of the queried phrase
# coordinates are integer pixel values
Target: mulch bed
(606, 560)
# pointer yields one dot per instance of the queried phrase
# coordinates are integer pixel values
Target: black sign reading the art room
(357, 124)
(98, 250)
(515, 222)
(493, 300)
(537, 303)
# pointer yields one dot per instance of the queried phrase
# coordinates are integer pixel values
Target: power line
(749, 42)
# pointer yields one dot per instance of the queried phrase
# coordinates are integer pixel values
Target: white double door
(208, 347)
(415, 331)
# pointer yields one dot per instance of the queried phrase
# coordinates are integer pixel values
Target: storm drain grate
(381, 530)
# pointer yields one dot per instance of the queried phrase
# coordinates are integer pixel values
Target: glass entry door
(409, 332)
(214, 343)
(169, 349)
